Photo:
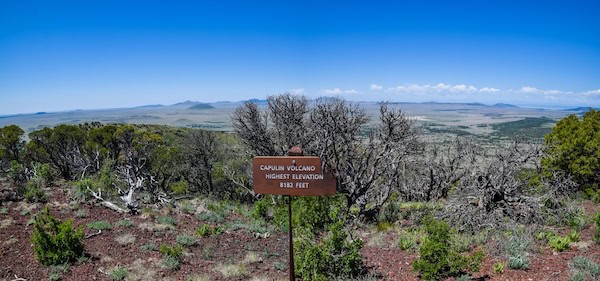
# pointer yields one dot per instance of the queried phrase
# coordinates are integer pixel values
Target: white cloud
(439, 88)
(489, 90)
(592, 93)
(529, 90)
(338, 91)
(335, 91)
(375, 87)
(533, 90)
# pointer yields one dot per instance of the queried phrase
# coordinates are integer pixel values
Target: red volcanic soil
(260, 258)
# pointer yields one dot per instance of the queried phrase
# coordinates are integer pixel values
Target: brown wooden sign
(291, 175)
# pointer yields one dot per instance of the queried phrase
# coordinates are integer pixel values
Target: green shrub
(390, 211)
(3, 211)
(81, 192)
(260, 209)
(574, 236)
(17, 172)
(46, 172)
(119, 273)
(210, 217)
(171, 251)
(33, 191)
(583, 268)
(179, 187)
(166, 220)
(55, 242)
(407, 240)
(149, 247)
(437, 258)
(597, 231)
(186, 240)
(559, 244)
(99, 225)
(544, 235)
(172, 256)
(204, 230)
(518, 262)
(171, 262)
(577, 220)
(125, 223)
(333, 256)
(498, 267)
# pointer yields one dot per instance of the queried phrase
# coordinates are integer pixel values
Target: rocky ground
(241, 252)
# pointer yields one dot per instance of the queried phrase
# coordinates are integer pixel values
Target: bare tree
(251, 125)
(368, 167)
(201, 153)
(366, 161)
(496, 195)
(441, 166)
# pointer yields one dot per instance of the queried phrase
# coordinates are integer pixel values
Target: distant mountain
(582, 108)
(186, 103)
(504, 105)
(257, 101)
(150, 106)
(200, 106)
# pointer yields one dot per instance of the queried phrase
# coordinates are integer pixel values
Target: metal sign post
(292, 175)
(291, 240)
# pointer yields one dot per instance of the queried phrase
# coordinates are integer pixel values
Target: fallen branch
(93, 234)
(17, 278)
(107, 204)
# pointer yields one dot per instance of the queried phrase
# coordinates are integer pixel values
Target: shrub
(583, 268)
(574, 236)
(186, 240)
(46, 173)
(33, 191)
(204, 230)
(407, 240)
(172, 256)
(166, 220)
(99, 225)
(171, 251)
(171, 262)
(149, 247)
(17, 172)
(390, 211)
(597, 231)
(260, 209)
(55, 242)
(437, 258)
(518, 262)
(210, 217)
(125, 223)
(498, 267)
(333, 256)
(179, 187)
(571, 149)
(119, 273)
(81, 192)
(559, 244)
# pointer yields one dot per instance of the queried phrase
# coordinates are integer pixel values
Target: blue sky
(62, 55)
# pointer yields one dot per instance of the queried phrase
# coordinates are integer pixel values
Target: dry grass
(232, 270)
(125, 239)
(6, 223)
(10, 241)
(197, 277)
(155, 227)
(251, 257)
(143, 270)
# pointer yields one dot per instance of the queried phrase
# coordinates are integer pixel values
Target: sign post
(292, 175)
